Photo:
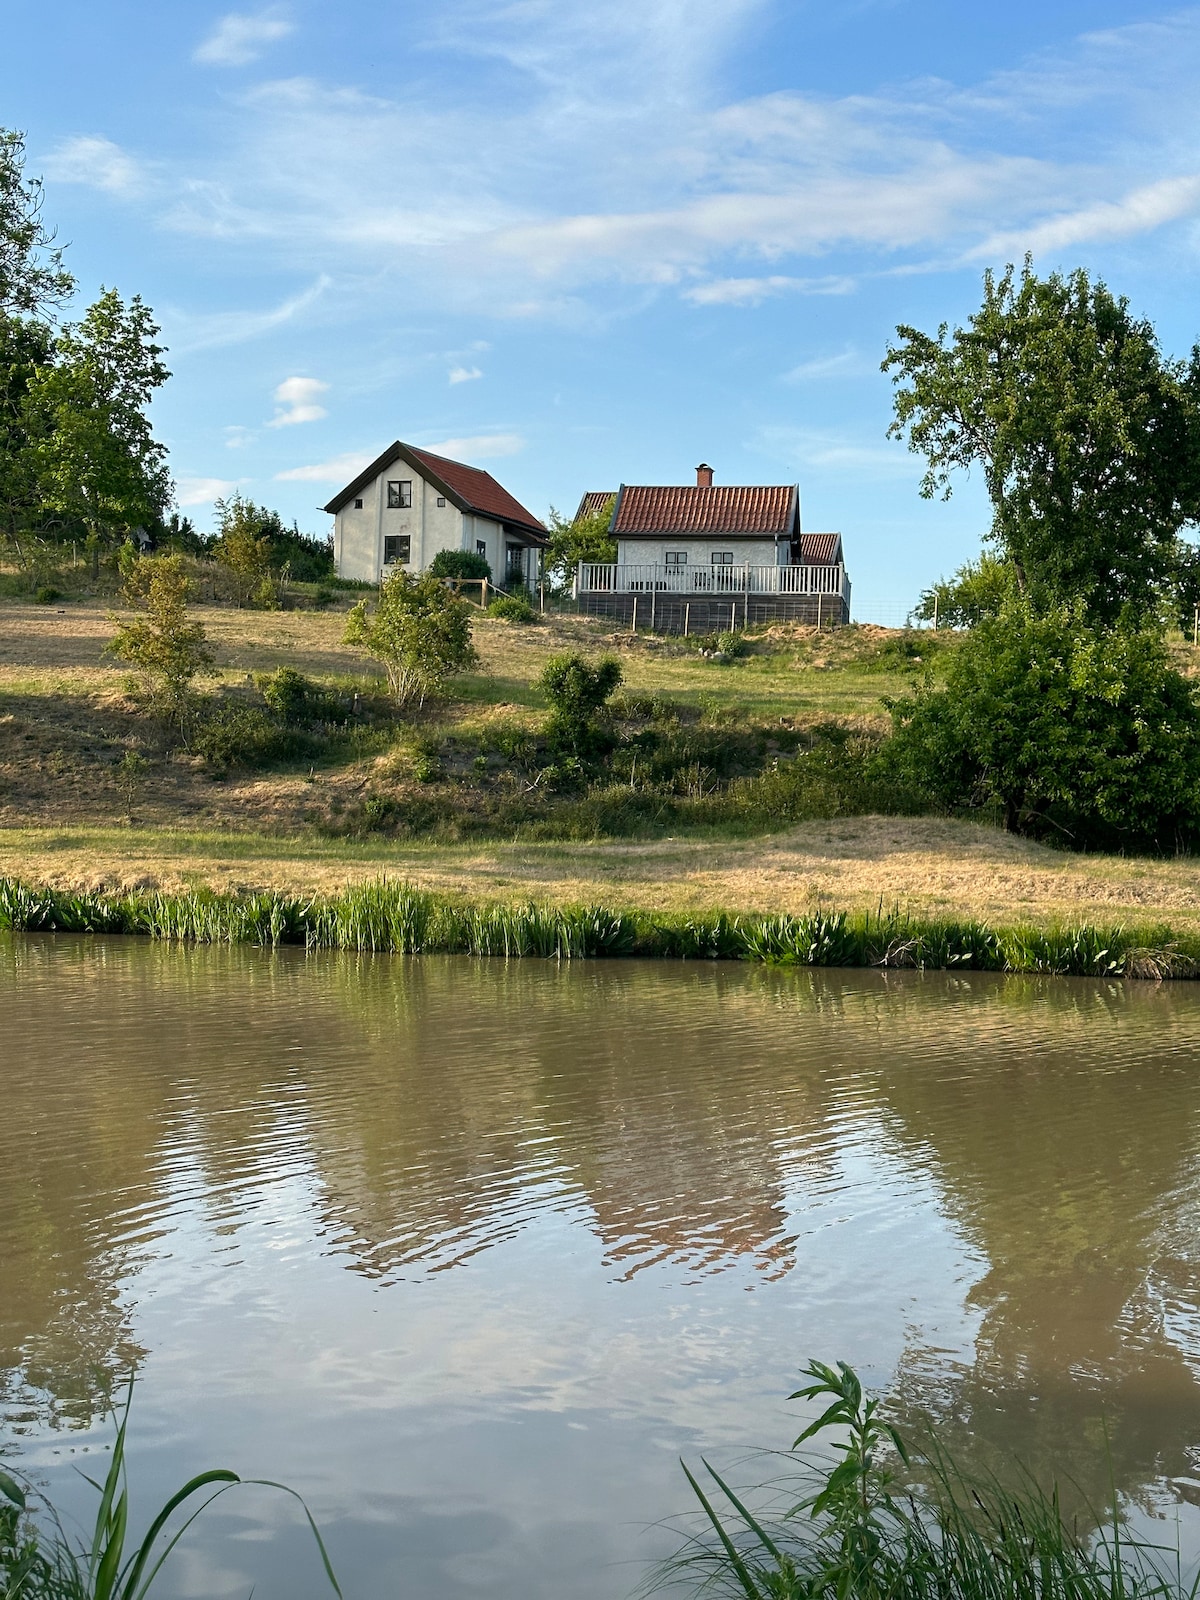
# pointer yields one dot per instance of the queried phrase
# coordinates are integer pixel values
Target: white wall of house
(746, 552)
(360, 532)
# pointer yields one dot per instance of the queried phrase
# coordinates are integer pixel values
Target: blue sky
(587, 243)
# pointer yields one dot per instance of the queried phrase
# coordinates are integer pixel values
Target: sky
(581, 244)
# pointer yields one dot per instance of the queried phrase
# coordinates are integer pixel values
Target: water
(471, 1252)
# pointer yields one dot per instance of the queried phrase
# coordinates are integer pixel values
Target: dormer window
(400, 495)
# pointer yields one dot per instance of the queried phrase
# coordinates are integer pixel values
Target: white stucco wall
(746, 552)
(359, 534)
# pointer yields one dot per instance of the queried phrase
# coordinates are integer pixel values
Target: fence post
(542, 596)
(633, 624)
(653, 598)
(820, 597)
(935, 601)
(483, 593)
(733, 616)
(575, 580)
(687, 616)
(1196, 627)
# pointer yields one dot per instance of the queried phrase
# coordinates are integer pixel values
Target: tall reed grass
(881, 1522)
(396, 918)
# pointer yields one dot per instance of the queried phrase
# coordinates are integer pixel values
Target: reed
(399, 919)
(883, 1522)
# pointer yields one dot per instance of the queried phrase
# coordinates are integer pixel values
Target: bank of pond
(400, 919)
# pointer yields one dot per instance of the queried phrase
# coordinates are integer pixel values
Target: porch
(698, 599)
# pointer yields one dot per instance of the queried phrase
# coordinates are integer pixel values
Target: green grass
(884, 1521)
(399, 919)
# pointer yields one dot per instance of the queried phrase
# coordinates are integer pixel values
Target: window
(441, 499)
(400, 495)
(358, 505)
(722, 558)
(481, 548)
(676, 558)
(397, 549)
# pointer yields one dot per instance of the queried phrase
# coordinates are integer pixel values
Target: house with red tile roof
(409, 504)
(702, 556)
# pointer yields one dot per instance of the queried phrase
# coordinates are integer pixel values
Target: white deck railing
(613, 578)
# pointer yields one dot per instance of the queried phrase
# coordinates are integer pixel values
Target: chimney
(704, 476)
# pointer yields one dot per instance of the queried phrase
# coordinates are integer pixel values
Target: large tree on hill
(32, 276)
(1088, 438)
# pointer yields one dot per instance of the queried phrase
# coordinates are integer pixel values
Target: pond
(471, 1252)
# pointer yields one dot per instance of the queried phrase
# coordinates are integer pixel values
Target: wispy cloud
(338, 470)
(753, 291)
(464, 374)
(241, 37)
(296, 400)
(480, 446)
(187, 331)
(1140, 211)
(202, 491)
(847, 364)
(98, 163)
(819, 449)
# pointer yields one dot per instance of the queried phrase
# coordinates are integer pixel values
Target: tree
(1086, 735)
(166, 648)
(32, 277)
(243, 548)
(96, 457)
(1089, 439)
(580, 539)
(466, 564)
(577, 692)
(419, 632)
(975, 592)
(26, 346)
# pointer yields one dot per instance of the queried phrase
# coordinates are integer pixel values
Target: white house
(409, 504)
(701, 556)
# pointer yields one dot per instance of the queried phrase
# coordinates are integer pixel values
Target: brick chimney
(704, 476)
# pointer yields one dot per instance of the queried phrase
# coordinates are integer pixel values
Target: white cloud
(98, 163)
(464, 374)
(339, 470)
(823, 449)
(848, 364)
(481, 446)
(753, 291)
(241, 37)
(202, 491)
(238, 437)
(187, 331)
(1140, 211)
(296, 400)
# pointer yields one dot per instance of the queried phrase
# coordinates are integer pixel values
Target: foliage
(42, 1563)
(165, 647)
(25, 348)
(96, 459)
(243, 548)
(299, 701)
(131, 772)
(234, 734)
(577, 539)
(468, 564)
(1087, 437)
(848, 1533)
(32, 276)
(418, 631)
(577, 691)
(1089, 734)
(512, 608)
(975, 592)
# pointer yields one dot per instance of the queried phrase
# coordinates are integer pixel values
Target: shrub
(512, 608)
(235, 735)
(975, 592)
(298, 701)
(460, 564)
(577, 692)
(46, 595)
(166, 648)
(419, 632)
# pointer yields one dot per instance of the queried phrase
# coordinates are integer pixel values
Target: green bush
(467, 564)
(235, 735)
(512, 608)
(579, 725)
(298, 701)
(46, 595)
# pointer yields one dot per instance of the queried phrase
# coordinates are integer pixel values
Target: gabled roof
(471, 489)
(820, 549)
(594, 500)
(762, 511)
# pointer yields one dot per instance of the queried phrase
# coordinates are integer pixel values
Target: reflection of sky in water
(470, 1253)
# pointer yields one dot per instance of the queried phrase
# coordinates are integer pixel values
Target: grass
(403, 920)
(851, 1530)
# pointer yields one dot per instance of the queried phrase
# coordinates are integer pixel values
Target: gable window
(400, 495)
(397, 550)
(358, 505)
(676, 558)
(441, 500)
(722, 558)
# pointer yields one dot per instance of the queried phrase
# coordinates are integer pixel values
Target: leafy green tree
(418, 631)
(467, 564)
(1087, 735)
(96, 457)
(1088, 438)
(577, 690)
(164, 645)
(26, 346)
(578, 539)
(243, 548)
(975, 592)
(32, 276)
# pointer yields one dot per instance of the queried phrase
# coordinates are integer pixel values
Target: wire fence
(885, 615)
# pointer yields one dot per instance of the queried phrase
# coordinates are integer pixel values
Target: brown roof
(594, 500)
(469, 488)
(769, 510)
(820, 549)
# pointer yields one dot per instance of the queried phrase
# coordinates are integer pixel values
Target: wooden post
(687, 616)
(935, 601)
(733, 616)
(542, 595)
(483, 594)
(575, 581)
(1196, 627)
(633, 624)
(746, 611)
(653, 597)
(819, 599)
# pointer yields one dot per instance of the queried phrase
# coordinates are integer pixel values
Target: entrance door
(514, 564)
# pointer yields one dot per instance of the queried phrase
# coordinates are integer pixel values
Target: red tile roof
(820, 549)
(594, 500)
(469, 488)
(768, 510)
